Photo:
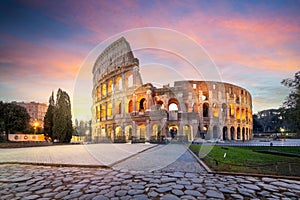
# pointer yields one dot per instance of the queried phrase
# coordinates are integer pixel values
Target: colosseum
(126, 110)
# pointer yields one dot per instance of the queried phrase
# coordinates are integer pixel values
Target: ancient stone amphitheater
(126, 110)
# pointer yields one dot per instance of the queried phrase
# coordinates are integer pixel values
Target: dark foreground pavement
(182, 179)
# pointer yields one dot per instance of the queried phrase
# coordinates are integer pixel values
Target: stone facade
(124, 109)
(36, 111)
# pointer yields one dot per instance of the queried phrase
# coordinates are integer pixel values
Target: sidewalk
(85, 155)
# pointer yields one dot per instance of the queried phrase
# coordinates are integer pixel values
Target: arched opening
(215, 110)
(205, 109)
(232, 133)
(98, 92)
(243, 114)
(103, 112)
(238, 133)
(156, 130)
(118, 107)
(247, 134)
(243, 133)
(173, 131)
(231, 110)
(109, 110)
(173, 107)
(215, 132)
(142, 105)
(224, 109)
(128, 133)
(109, 132)
(129, 80)
(110, 87)
(205, 130)
(118, 134)
(118, 83)
(98, 112)
(225, 134)
(130, 106)
(160, 105)
(141, 132)
(195, 107)
(104, 90)
(186, 107)
(238, 114)
(187, 133)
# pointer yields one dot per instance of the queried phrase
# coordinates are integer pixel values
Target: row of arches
(239, 133)
(115, 84)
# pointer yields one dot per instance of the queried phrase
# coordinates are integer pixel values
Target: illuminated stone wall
(125, 109)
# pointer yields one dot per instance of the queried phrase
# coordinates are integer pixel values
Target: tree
(291, 106)
(62, 118)
(13, 118)
(48, 119)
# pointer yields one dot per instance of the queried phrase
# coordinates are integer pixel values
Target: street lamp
(35, 126)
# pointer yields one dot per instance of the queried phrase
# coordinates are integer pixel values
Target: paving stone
(153, 194)
(167, 180)
(169, 197)
(61, 194)
(251, 186)
(87, 196)
(135, 192)
(121, 193)
(188, 197)
(110, 194)
(100, 197)
(163, 189)
(268, 180)
(49, 195)
(214, 194)
(43, 191)
(73, 195)
(289, 194)
(177, 192)
(237, 196)
(78, 186)
(140, 197)
(193, 193)
(31, 197)
(23, 194)
(177, 187)
(9, 196)
(36, 188)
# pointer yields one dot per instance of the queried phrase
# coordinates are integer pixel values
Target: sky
(45, 45)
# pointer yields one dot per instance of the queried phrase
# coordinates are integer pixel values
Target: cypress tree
(48, 119)
(62, 118)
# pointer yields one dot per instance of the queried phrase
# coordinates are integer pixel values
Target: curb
(56, 165)
(200, 162)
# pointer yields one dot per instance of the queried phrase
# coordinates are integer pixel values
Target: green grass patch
(244, 159)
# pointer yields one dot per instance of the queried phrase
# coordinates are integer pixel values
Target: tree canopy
(291, 106)
(13, 118)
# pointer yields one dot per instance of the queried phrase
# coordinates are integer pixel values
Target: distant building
(36, 111)
(125, 109)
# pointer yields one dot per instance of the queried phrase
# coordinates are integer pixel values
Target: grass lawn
(244, 159)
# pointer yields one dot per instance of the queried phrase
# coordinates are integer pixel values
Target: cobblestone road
(183, 179)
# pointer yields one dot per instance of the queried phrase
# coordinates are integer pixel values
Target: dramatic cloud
(253, 44)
